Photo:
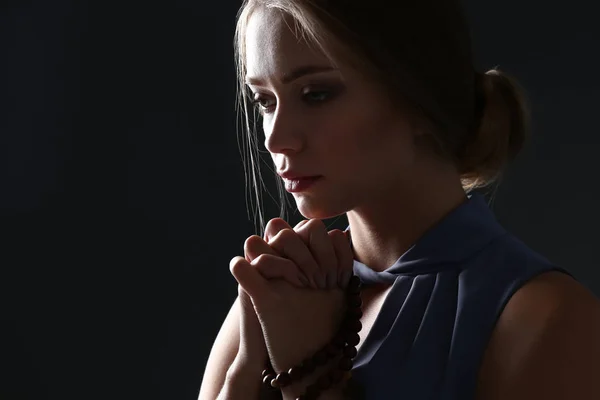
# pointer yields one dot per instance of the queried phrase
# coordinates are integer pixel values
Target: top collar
(458, 235)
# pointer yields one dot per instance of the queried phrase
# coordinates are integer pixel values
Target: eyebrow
(295, 74)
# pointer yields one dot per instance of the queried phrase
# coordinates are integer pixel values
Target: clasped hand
(291, 290)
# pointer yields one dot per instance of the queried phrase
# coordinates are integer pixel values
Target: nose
(283, 132)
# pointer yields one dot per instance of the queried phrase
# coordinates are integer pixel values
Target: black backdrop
(122, 191)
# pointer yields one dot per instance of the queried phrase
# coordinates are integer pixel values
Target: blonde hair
(420, 53)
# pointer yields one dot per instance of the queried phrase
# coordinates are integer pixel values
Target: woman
(379, 103)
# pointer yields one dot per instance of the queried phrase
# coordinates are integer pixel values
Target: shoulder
(546, 343)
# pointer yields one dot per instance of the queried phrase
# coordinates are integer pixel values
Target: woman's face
(323, 121)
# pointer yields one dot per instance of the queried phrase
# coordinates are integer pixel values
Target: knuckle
(270, 228)
(316, 224)
(251, 242)
(260, 260)
(235, 263)
(335, 234)
(300, 224)
(272, 222)
(339, 238)
(282, 237)
(286, 234)
(275, 224)
(277, 220)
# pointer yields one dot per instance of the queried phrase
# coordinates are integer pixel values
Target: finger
(252, 342)
(244, 299)
(299, 224)
(248, 277)
(254, 246)
(273, 227)
(344, 255)
(291, 246)
(314, 233)
(274, 267)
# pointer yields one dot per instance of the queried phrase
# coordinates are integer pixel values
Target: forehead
(272, 47)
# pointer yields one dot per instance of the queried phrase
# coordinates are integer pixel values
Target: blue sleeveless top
(448, 291)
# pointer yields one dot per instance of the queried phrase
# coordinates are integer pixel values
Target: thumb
(248, 277)
(252, 343)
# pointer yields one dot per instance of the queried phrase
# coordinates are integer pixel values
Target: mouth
(302, 184)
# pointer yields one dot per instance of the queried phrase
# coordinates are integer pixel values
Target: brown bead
(266, 372)
(352, 338)
(268, 378)
(331, 350)
(354, 282)
(353, 325)
(339, 340)
(353, 291)
(297, 372)
(324, 382)
(320, 358)
(283, 379)
(274, 383)
(345, 364)
(336, 376)
(350, 351)
(355, 313)
(354, 301)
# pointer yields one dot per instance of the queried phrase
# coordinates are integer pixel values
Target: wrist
(241, 381)
(246, 367)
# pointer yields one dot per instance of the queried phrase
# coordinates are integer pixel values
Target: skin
(338, 125)
(377, 170)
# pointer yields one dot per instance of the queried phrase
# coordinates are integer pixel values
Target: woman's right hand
(284, 254)
(252, 351)
(292, 244)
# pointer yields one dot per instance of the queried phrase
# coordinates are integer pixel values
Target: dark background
(122, 190)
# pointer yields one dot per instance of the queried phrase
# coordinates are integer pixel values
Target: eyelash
(329, 94)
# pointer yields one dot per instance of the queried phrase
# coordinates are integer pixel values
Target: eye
(315, 96)
(262, 103)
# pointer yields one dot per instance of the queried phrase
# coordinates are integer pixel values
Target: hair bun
(500, 134)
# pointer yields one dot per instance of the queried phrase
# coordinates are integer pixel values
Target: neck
(391, 223)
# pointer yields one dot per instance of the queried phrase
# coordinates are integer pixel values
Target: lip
(300, 184)
(291, 175)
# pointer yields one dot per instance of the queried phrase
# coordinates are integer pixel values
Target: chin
(319, 210)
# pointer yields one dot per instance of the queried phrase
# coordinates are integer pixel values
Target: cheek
(360, 139)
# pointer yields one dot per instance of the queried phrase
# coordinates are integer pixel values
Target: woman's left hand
(297, 322)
